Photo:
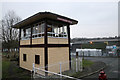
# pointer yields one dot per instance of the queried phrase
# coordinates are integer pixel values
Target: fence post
(31, 74)
(76, 65)
(33, 68)
(60, 68)
(81, 64)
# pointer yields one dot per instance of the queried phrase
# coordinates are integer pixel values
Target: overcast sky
(95, 19)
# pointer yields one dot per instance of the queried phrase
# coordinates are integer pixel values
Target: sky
(95, 19)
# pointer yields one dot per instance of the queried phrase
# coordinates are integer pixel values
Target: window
(22, 34)
(38, 30)
(24, 57)
(28, 33)
(49, 30)
(25, 33)
(65, 33)
(57, 31)
(37, 59)
(35, 30)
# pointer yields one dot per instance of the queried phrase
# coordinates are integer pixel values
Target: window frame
(58, 32)
(38, 34)
(25, 57)
(24, 34)
(37, 61)
(35, 34)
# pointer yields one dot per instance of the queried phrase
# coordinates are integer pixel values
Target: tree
(10, 36)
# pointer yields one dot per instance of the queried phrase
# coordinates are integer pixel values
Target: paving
(111, 69)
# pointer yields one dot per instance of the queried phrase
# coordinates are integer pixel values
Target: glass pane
(55, 31)
(42, 27)
(27, 33)
(22, 33)
(33, 31)
(39, 28)
(65, 31)
(49, 29)
(60, 32)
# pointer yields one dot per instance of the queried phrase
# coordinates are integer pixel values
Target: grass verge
(10, 69)
(73, 73)
(87, 63)
(5, 67)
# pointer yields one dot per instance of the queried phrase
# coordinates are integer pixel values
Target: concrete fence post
(76, 65)
(80, 64)
(33, 68)
(60, 69)
(31, 74)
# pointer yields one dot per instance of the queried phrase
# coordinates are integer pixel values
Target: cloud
(94, 18)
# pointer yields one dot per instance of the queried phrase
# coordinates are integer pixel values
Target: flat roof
(42, 15)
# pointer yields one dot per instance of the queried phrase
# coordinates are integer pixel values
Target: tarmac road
(112, 70)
